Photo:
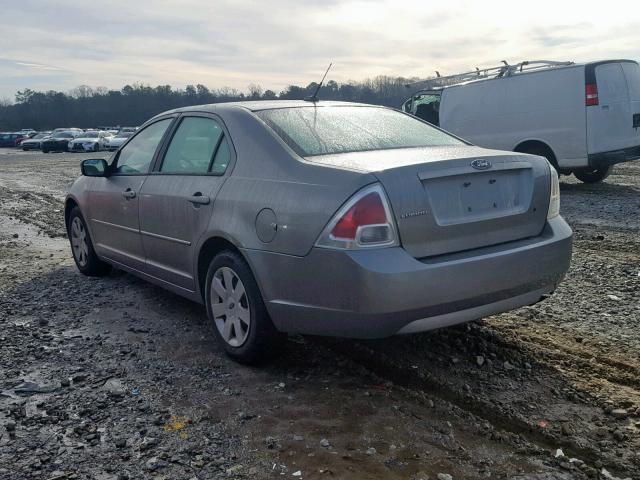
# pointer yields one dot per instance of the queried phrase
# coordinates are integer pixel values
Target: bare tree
(81, 91)
(255, 91)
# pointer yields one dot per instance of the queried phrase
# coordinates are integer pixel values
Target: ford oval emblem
(481, 164)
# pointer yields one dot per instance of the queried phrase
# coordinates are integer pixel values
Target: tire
(542, 151)
(593, 176)
(260, 340)
(45, 150)
(96, 148)
(82, 247)
(24, 149)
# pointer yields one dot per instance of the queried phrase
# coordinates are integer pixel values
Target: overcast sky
(62, 44)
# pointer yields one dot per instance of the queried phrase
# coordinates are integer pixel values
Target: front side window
(316, 130)
(137, 155)
(192, 146)
(427, 107)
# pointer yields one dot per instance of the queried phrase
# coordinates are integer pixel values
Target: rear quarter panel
(267, 175)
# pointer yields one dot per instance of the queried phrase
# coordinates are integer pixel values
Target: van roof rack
(504, 70)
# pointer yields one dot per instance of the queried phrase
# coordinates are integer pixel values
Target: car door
(114, 200)
(177, 197)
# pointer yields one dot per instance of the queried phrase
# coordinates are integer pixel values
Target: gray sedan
(322, 218)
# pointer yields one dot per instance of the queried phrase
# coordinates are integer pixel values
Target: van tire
(540, 149)
(593, 176)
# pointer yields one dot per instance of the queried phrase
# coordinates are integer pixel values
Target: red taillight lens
(591, 94)
(364, 221)
(368, 211)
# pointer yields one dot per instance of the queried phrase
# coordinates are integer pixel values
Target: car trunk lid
(450, 199)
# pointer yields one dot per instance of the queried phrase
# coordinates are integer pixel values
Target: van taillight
(591, 94)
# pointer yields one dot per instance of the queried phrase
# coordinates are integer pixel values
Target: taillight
(554, 194)
(591, 94)
(364, 221)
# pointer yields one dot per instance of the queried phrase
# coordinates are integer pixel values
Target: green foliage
(85, 106)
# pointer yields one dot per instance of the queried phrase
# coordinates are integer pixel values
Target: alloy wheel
(230, 306)
(79, 241)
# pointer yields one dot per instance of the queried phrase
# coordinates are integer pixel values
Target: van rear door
(612, 98)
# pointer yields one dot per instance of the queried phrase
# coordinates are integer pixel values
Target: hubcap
(79, 242)
(230, 306)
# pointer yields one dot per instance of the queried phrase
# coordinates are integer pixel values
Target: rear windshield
(313, 130)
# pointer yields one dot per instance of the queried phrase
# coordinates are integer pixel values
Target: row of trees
(85, 106)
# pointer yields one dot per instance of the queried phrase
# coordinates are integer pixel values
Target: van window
(632, 74)
(612, 86)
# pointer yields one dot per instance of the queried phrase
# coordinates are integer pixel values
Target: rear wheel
(540, 150)
(45, 150)
(593, 176)
(236, 309)
(82, 248)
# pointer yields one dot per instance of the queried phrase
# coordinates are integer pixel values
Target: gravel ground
(113, 378)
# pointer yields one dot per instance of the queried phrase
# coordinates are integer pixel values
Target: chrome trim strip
(163, 237)
(122, 227)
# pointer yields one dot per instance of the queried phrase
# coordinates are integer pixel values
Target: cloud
(62, 44)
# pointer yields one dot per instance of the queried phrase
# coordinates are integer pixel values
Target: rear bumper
(378, 293)
(606, 159)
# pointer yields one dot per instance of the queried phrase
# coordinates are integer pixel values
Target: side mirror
(95, 167)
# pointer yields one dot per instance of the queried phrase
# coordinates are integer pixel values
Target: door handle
(199, 199)
(129, 194)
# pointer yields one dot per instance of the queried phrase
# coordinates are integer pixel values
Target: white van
(583, 117)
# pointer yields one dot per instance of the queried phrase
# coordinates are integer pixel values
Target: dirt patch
(113, 378)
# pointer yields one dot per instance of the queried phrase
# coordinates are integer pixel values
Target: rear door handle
(199, 199)
(128, 194)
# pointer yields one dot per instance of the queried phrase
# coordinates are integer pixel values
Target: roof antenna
(314, 98)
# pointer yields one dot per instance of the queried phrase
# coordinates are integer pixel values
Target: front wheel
(593, 176)
(236, 309)
(82, 247)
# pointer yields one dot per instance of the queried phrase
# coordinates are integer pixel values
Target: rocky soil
(113, 378)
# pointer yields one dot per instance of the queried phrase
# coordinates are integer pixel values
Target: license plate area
(479, 196)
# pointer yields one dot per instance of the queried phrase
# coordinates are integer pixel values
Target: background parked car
(67, 129)
(128, 129)
(35, 142)
(11, 139)
(115, 142)
(59, 142)
(89, 141)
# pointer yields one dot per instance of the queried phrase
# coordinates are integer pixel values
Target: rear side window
(612, 86)
(317, 130)
(192, 147)
(222, 158)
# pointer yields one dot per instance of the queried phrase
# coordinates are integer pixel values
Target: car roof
(258, 105)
